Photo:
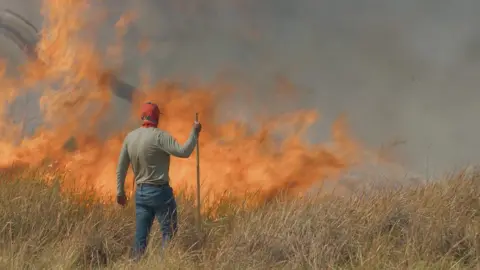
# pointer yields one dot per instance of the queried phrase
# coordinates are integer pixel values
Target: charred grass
(434, 226)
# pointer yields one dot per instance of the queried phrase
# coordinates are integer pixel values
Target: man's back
(150, 163)
(148, 150)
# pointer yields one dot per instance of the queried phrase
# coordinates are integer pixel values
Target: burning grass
(435, 226)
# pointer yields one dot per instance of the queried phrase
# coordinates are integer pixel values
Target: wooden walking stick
(198, 181)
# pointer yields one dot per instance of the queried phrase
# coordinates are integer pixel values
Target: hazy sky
(399, 69)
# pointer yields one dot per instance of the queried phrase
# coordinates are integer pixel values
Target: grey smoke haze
(404, 70)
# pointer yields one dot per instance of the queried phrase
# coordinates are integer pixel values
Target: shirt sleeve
(170, 145)
(122, 168)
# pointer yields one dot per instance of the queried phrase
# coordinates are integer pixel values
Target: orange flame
(233, 158)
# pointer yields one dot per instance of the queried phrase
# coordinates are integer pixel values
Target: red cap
(150, 113)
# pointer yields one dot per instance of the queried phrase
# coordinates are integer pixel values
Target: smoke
(404, 70)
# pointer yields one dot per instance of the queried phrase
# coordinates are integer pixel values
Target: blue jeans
(150, 202)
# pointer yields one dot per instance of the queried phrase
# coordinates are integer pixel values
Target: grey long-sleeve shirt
(148, 150)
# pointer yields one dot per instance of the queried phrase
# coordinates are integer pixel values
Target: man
(148, 150)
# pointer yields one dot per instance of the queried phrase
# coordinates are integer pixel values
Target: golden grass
(436, 226)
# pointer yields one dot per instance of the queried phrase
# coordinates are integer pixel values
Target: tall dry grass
(430, 227)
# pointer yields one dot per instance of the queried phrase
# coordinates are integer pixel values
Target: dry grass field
(436, 226)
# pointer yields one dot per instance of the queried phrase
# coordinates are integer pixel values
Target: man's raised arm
(170, 145)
